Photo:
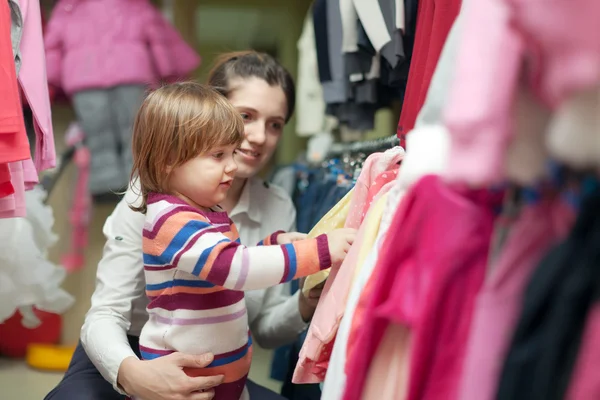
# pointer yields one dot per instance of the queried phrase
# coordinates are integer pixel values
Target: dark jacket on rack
(557, 303)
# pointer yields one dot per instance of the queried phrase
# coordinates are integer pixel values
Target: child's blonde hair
(175, 124)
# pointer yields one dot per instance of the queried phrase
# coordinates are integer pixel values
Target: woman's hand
(308, 304)
(164, 379)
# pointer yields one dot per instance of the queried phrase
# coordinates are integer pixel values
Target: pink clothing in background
(32, 79)
(375, 165)
(380, 181)
(14, 205)
(478, 113)
(498, 305)
(584, 382)
(138, 46)
(34, 84)
(431, 266)
(565, 55)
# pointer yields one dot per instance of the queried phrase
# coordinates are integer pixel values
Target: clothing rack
(367, 146)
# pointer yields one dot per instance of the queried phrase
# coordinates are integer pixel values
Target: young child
(184, 140)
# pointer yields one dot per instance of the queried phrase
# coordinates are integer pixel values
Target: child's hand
(340, 241)
(286, 238)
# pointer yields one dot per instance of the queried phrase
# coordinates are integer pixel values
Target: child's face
(205, 180)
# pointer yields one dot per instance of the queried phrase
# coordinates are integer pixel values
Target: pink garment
(584, 382)
(478, 112)
(562, 38)
(80, 212)
(314, 356)
(138, 45)
(380, 181)
(499, 304)
(374, 165)
(431, 266)
(32, 78)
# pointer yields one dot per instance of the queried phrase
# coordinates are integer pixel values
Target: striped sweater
(196, 271)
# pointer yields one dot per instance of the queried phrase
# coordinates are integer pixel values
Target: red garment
(431, 267)
(435, 18)
(14, 145)
(6, 187)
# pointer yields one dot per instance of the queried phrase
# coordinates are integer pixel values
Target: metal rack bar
(367, 146)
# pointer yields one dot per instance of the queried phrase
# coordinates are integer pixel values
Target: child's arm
(193, 245)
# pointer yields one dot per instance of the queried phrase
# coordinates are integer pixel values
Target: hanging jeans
(106, 117)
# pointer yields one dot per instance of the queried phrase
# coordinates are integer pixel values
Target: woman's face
(263, 109)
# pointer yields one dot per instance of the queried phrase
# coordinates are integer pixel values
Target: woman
(263, 92)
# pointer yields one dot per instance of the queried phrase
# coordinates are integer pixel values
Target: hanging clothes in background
(480, 279)
(434, 20)
(107, 79)
(376, 176)
(361, 57)
(17, 169)
(28, 281)
(325, 196)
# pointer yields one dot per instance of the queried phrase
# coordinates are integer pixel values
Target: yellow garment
(334, 219)
(372, 221)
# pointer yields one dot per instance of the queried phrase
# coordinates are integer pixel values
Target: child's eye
(245, 116)
(218, 156)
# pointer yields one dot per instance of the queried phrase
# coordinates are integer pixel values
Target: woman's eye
(245, 116)
(277, 126)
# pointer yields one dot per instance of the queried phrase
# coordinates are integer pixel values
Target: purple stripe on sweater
(244, 271)
(151, 268)
(219, 270)
(200, 321)
(274, 236)
(156, 197)
(232, 390)
(323, 250)
(196, 301)
(286, 269)
(149, 225)
(156, 351)
(150, 232)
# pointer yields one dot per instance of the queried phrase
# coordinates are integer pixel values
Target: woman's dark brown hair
(252, 64)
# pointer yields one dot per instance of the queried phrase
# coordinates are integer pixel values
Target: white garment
(119, 301)
(310, 105)
(573, 135)
(27, 278)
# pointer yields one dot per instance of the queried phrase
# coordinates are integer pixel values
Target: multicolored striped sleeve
(271, 239)
(193, 245)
